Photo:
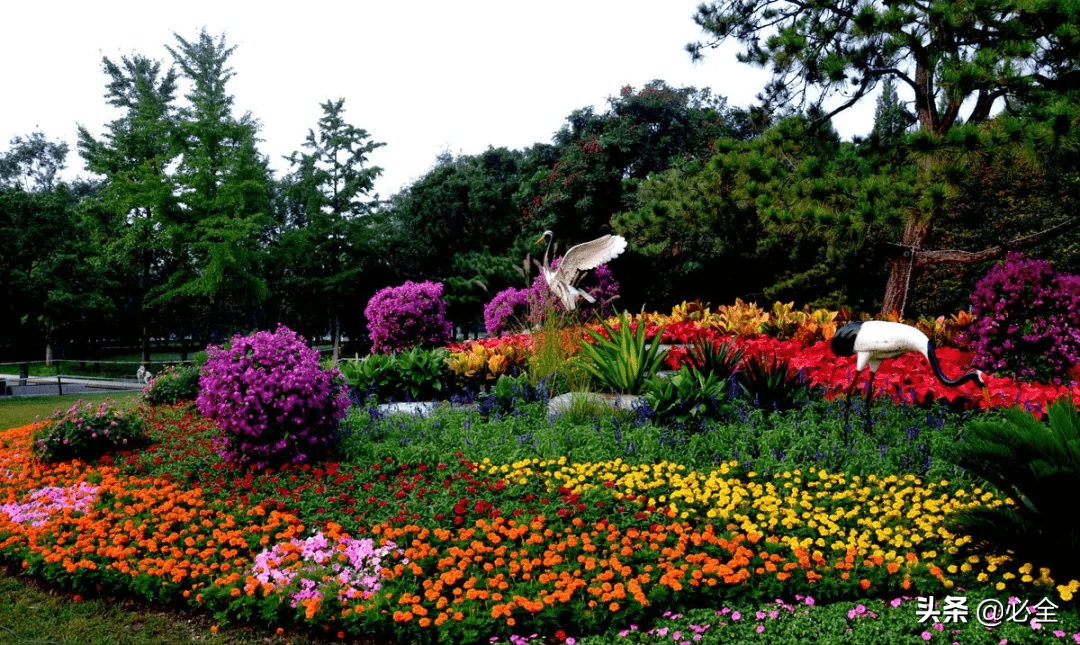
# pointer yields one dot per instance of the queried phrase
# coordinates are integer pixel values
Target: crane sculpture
(580, 258)
(875, 340)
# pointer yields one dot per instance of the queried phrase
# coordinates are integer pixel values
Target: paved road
(46, 385)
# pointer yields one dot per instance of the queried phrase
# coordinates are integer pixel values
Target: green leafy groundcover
(503, 539)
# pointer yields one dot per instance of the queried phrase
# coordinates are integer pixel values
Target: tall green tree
(32, 163)
(138, 202)
(224, 189)
(330, 242)
(603, 158)
(50, 282)
(460, 224)
(948, 55)
(769, 217)
(891, 118)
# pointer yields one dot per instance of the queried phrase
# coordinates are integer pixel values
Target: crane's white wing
(589, 255)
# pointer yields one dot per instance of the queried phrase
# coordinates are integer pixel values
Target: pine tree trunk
(902, 268)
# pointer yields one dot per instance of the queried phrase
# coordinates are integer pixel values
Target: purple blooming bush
(402, 317)
(271, 399)
(506, 312)
(599, 283)
(85, 431)
(1027, 320)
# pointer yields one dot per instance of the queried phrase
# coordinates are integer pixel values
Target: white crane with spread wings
(580, 258)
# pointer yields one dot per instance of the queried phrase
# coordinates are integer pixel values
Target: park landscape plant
(492, 525)
(271, 399)
(407, 315)
(174, 384)
(507, 311)
(620, 358)
(86, 431)
(1026, 320)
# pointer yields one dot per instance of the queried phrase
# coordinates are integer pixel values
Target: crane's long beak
(538, 241)
(986, 395)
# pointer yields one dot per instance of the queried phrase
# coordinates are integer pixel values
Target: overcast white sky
(424, 77)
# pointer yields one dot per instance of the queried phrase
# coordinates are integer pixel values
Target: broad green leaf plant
(620, 360)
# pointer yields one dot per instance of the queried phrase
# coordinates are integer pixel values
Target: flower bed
(465, 551)
(906, 378)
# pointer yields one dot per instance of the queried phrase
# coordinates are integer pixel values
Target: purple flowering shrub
(402, 317)
(506, 312)
(599, 283)
(86, 432)
(1027, 321)
(271, 399)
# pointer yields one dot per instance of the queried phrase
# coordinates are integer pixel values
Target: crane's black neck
(843, 341)
(970, 377)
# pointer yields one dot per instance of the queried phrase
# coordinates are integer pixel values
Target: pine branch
(953, 256)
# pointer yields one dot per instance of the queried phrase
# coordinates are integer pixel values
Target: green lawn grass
(19, 411)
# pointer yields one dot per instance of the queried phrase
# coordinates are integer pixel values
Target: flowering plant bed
(906, 378)
(471, 550)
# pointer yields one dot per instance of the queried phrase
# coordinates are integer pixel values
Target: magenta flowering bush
(271, 399)
(85, 431)
(506, 312)
(600, 283)
(1027, 321)
(408, 315)
(344, 568)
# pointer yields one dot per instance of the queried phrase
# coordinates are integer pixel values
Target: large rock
(562, 404)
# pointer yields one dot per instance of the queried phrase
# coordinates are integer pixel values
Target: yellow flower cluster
(894, 519)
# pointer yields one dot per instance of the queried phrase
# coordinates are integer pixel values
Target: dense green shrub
(770, 383)
(413, 375)
(687, 398)
(172, 385)
(621, 360)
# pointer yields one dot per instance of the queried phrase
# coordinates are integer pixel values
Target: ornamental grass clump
(1027, 321)
(86, 432)
(272, 401)
(408, 315)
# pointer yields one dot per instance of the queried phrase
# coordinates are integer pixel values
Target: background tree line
(184, 231)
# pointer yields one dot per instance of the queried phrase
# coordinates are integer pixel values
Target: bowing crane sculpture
(876, 340)
(580, 258)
